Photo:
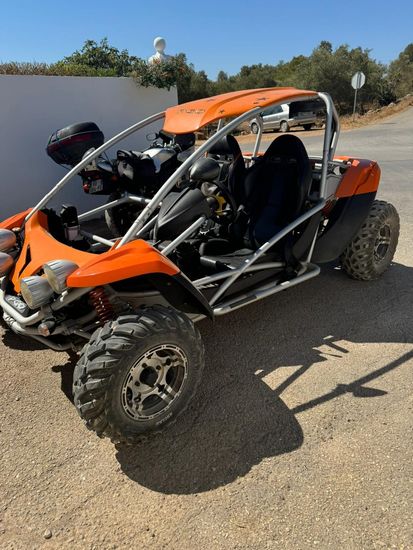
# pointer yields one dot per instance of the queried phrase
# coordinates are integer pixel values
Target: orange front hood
(134, 259)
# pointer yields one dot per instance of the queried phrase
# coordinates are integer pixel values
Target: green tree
(400, 74)
(331, 70)
(101, 57)
(325, 69)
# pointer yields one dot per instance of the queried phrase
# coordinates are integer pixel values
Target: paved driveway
(300, 437)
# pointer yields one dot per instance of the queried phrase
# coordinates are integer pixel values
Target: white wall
(32, 107)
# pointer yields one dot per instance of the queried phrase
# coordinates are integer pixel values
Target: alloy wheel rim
(382, 243)
(154, 382)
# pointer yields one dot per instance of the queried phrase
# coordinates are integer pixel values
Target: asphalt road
(300, 437)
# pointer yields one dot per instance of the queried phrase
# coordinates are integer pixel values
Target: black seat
(274, 189)
(228, 151)
(269, 196)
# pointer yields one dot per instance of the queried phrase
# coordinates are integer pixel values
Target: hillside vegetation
(326, 69)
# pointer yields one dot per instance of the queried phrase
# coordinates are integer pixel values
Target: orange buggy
(225, 230)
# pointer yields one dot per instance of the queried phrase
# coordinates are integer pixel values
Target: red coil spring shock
(102, 305)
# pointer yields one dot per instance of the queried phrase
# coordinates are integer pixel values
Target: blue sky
(214, 34)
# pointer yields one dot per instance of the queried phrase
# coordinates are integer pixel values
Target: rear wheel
(371, 251)
(254, 128)
(307, 127)
(284, 126)
(138, 373)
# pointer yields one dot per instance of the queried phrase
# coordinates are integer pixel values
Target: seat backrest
(276, 186)
(228, 150)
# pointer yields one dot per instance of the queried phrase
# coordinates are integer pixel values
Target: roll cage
(195, 117)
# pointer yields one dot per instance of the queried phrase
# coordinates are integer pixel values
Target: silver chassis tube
(172, 245)
(139, 200)
(330, 139)
(242, 299)
(259, 137)
(146, 227)
(125, 198)
(102, 208)
(84, 162)
(64, 328)
(264, 291)
(199, 283)
(265, 247)
(93, 237)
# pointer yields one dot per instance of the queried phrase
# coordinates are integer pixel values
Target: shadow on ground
(237, 420)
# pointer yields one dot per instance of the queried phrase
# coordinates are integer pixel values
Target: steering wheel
(223, 189)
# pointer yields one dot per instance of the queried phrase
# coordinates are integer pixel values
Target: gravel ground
(300, 437)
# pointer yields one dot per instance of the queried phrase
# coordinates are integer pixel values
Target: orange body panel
(135, 258)
(14, 221)
(362, 176)
(131, 260)
(191, 116)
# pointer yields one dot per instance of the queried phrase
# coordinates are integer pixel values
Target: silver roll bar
(330, 142)
(329, 145)
(257, 144)
(184, 235)
(170, 182)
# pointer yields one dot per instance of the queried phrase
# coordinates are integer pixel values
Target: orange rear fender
(362, 176)
(131, 260)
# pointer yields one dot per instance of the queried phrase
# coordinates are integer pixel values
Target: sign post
(358, 80)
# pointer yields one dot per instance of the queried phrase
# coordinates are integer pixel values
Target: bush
(160, 75)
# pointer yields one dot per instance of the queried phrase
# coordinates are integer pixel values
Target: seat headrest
(226, 146)
(287, 146)
(185, 141)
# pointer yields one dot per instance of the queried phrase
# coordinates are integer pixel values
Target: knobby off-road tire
(138, 373)
(371, 251)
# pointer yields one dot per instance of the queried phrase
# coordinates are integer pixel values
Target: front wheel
(371, 251)
(138, 373)
(307, 127)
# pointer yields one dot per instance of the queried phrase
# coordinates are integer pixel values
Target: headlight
(57, 273)
(35, 291)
